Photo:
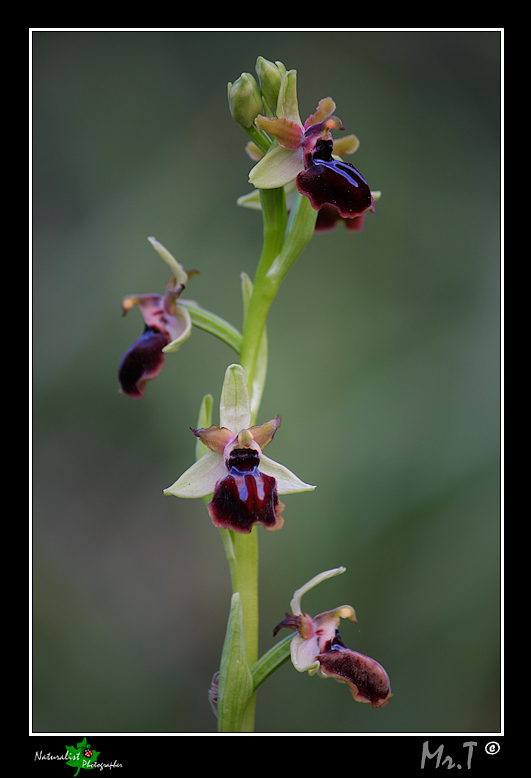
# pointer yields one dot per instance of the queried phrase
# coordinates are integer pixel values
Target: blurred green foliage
(384, 363)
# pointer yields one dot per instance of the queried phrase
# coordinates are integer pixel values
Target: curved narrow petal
(295, 604)
(176, 268)
(201, 478)
(325, 109)
(287, 482)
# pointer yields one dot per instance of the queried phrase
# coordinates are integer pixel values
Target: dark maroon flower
(366, 678)
(141, 362)
(245, 496)
(328, 218)
(317, 648)
(243, 481)
(307, 154)
(166, 325)
(334, 183)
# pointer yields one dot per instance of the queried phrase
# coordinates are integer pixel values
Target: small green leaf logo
(82, 757)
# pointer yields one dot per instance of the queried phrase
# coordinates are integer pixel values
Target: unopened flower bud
(245, 99)
(270, 76)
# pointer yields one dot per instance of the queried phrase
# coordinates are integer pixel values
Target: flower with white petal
(166, 325)
(243, 482)
(317, 648)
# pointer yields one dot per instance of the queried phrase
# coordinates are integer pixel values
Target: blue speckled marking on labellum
(331, 182)
(307, 154)
(245, 496)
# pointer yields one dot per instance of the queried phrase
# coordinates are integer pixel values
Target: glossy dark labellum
(142, 361)
(245, 496)
(331, 182)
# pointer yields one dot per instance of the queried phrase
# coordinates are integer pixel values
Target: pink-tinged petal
(287, 133)
(366, 678)
(179, 326)
(151, 307)
(264, 433)
(325, 625)
(215, 438)
(302, 623)
(166, 326)
(325, 109)
(290, 622)
(142, 362)
(330, 182)
(245, 496)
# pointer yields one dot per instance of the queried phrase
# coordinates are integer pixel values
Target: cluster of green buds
(296, 155)
(248, 99)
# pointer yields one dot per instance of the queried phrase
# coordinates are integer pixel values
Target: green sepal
(287, 103)
(235, 680)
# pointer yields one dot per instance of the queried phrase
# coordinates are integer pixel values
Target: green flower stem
(242, 555)
(260, 138)
(284, 241)
(299, 231)
(274, 218)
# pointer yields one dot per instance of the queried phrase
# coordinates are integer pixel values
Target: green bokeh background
(384, 364)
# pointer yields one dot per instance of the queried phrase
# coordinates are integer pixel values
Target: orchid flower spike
(166, 325)
(317, 648)
(243, 482)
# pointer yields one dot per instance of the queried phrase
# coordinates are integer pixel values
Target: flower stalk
(299, 174)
